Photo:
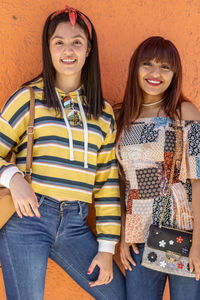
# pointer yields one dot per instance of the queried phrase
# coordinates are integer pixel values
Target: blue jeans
(62, 234)
(143, 283)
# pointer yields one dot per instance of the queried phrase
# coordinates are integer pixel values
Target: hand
(125, 254)
(24, 198)
(104, 261)
(194, 260)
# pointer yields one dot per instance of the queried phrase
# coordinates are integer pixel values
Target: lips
(154, 82)
(68, 61)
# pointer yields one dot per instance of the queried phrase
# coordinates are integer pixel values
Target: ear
(88, 51)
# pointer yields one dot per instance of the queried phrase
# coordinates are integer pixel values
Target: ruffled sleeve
(190, 164)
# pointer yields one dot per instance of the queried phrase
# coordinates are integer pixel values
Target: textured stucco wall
(120, 26)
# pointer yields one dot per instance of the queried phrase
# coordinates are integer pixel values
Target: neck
(68, 83)
(151, 98)
(153, 103)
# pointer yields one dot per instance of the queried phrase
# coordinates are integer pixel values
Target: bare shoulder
(190, 111)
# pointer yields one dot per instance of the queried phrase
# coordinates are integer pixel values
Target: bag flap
(169, 239)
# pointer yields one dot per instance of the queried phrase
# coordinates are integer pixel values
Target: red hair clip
(73, 17)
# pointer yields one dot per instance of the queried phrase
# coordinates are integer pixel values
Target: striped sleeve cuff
(7, 175)
(106, 246)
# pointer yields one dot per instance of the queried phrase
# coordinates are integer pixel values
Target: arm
(13, 124)
(107, 205)
(190, 112)
(125, 254)
(194, 257)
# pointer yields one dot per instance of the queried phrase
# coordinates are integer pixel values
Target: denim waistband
(57, 204)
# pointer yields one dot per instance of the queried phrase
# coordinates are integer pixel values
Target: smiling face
(69, 48)
(154, 79)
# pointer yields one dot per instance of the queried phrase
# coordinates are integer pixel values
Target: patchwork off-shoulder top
(145, 153)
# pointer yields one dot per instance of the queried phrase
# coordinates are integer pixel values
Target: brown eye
(77, 42)
(147, 63)
(59, 42)
(166, 67)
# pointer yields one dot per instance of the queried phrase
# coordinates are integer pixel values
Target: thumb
(91, 267)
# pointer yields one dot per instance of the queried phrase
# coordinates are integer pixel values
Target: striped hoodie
(54, 172)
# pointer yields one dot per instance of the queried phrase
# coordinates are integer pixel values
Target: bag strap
(30, 134)
(170, 179)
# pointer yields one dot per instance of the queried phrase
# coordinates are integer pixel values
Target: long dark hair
(161, 50)
(90, 76)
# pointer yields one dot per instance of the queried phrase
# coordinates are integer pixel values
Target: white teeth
(68, 60)
(153, 81)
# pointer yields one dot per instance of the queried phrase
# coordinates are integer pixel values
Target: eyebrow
(73, 37)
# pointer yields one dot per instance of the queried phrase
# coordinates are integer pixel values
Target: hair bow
(73, 12)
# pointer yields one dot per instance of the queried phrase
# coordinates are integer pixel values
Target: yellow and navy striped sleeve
(9, 131)
(106, 191)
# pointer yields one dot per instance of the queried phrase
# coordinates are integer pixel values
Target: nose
(68, 49)
(155, 71)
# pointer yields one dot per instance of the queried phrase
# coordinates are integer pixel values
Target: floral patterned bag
(167, 249)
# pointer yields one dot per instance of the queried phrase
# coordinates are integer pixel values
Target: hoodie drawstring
(71, 148)
(85, 129)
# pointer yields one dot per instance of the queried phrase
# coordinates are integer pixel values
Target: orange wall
(121, 26)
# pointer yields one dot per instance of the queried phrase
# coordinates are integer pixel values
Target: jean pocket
(83, 209)
(40, 199)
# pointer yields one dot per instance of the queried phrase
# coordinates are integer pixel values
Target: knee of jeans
(83, 209)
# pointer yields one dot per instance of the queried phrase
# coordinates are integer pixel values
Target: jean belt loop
(80, 209)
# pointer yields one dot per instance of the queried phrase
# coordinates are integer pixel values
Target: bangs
(64, 18)
(160, 50)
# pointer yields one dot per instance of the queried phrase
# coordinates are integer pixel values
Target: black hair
(90, 75)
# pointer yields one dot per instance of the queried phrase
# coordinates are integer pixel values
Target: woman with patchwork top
(153, 104)
(73, 159)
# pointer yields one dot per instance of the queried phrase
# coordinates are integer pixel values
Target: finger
(99, 281)
(18, 211)
(35, 201)
(135, 248)
(107, 280)
(91, 267)
(35, 206)
(126, 263)
(36, 211)
(102, 278)
(111, 278)
(28, 210)
(191, 265)
(23, 210)
(129, 257)
(197, 271)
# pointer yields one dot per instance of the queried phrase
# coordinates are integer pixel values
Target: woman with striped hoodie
(73, 160)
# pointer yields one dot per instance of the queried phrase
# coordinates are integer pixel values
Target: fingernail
(88, 272)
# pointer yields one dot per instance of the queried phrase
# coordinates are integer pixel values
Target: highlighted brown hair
(161, 50)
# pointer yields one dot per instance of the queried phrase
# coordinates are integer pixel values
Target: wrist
(106, 246)
(14, 179)
(108, 254)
